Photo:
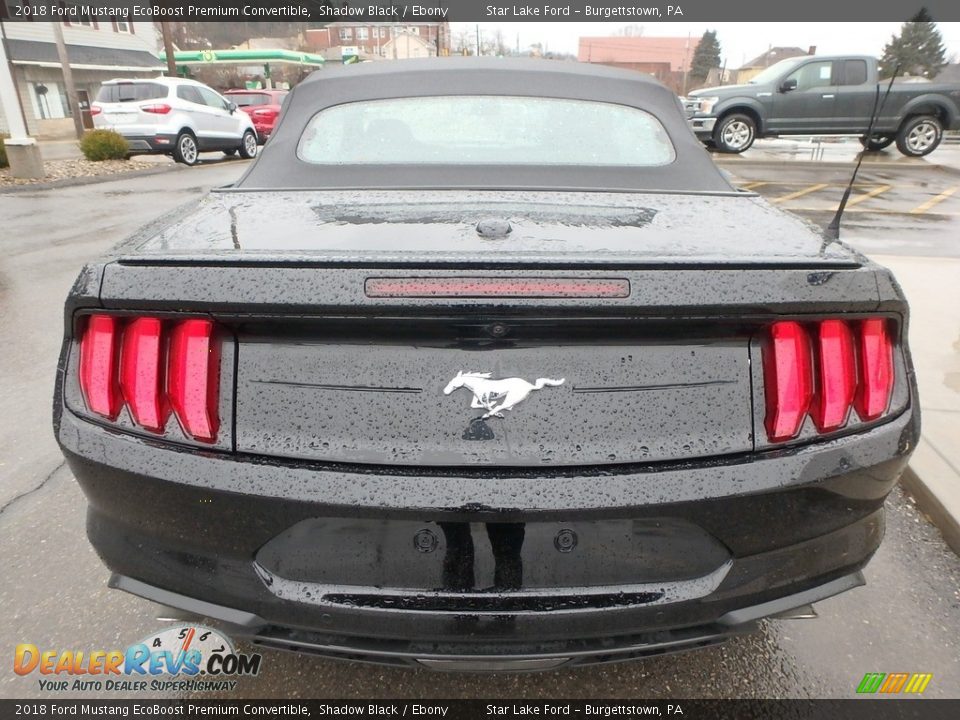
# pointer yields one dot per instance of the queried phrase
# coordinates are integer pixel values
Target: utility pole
(68, 78)
(168, 48)
(478, 41)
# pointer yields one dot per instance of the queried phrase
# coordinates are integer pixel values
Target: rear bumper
(144, 144)
(264, 130)
(468, 656)
(331, 559)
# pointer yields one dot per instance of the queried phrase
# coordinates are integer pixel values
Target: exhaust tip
(804, 612)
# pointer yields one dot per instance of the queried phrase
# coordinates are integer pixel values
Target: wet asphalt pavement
(54, 594)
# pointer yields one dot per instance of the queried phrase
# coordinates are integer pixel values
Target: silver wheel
(922, 136)
(735, 133)
(248, 146)
(187, 149)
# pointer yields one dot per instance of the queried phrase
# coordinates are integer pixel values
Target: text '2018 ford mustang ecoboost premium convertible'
(483, 364)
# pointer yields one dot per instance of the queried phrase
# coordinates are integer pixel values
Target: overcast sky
(739, 42)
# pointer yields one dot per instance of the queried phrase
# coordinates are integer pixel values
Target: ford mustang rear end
(484, 365)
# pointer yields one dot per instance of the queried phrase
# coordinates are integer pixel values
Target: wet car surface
(908, 614)
(668, 439)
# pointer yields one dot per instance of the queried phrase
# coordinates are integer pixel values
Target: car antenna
(833, 229)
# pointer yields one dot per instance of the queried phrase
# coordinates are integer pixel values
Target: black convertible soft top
(279, 167)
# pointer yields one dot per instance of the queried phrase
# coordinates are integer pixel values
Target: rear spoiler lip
(474, 264)
(320, 287)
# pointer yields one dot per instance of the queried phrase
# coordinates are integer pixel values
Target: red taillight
(194, 378)
(788, 382)
(853, 369)
(478, 287)
(95, 109)
(154, 367)
(142, 373)
(265, 113)
(836, 376)
(99, 348)
(876, 369)
(156, 109)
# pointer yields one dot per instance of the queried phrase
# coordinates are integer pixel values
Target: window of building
(362, 33)
(383, 31)
(49, 101)
(8, 9)
(79, 14)
(122, 26)
(346, 33)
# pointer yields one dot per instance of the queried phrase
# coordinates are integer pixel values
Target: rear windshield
(481, 129)
(131, 92)
(248, 99)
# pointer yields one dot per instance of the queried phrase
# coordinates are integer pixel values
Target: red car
(263, 107)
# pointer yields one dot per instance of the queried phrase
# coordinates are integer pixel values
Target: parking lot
(872, 194)
(896, 207)
(54, 593)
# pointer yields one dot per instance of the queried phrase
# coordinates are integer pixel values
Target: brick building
(373, 40)
(666, 58)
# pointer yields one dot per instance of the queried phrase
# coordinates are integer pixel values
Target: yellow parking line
(936, 200)
(865, 211)
(804, 183)
(867, 195)
(801, 193)
(752, 185)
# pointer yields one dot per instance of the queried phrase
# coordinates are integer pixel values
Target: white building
(98, 51)
(406, 45)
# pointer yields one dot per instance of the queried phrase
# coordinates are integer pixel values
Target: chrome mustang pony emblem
(495, 396)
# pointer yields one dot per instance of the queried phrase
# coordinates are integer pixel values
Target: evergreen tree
(918, 50)
(705, 58)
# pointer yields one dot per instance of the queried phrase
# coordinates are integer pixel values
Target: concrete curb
(933, 476)
(88, 180)
(935, 485)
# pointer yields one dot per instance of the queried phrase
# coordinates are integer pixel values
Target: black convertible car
(484, 365)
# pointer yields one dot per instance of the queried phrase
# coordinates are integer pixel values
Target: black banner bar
(639, 11)
(866, 709)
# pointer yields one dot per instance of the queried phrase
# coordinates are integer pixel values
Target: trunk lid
(416, 392)
(568, 229)
(326, 371)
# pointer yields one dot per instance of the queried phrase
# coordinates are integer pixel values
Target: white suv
(177, 117)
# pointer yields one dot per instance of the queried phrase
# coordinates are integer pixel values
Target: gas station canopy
(244, 57)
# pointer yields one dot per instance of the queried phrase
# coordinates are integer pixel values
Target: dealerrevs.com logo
(183, 658)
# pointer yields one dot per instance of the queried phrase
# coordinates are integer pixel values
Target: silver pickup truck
(819, 95)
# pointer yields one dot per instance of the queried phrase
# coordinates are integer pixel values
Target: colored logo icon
(893, 683)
